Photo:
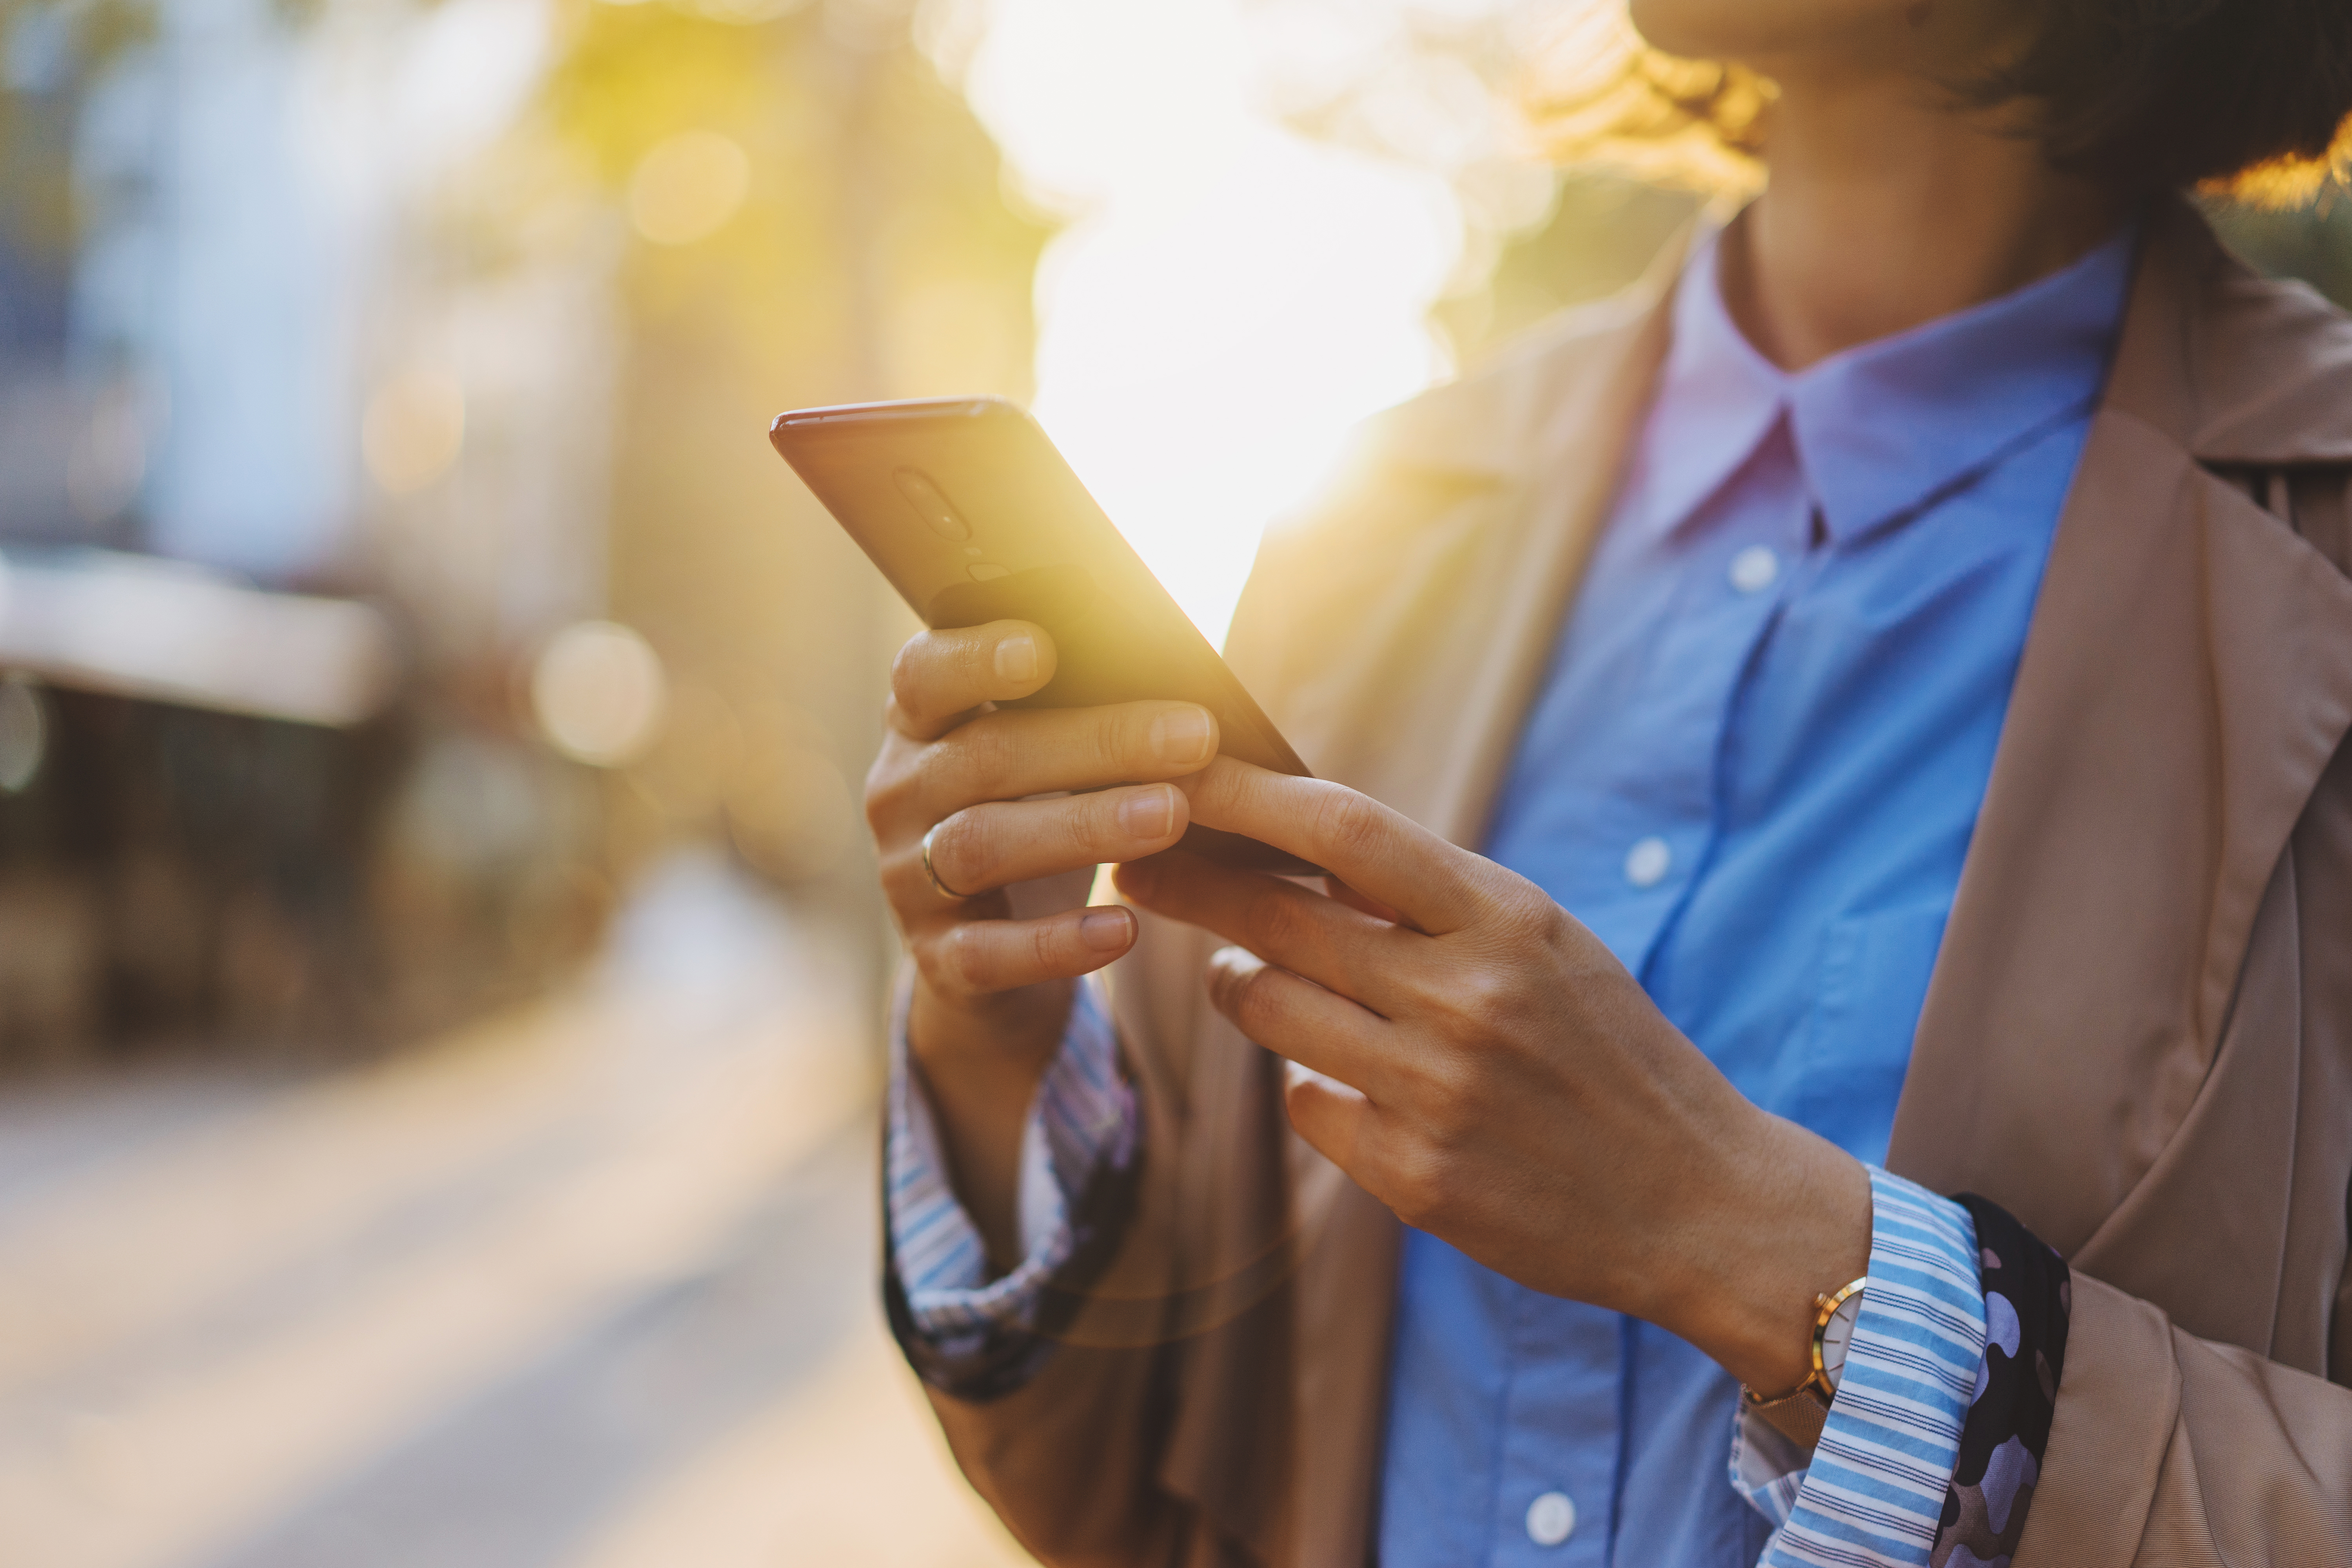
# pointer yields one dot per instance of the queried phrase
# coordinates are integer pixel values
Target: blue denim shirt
(1753, 771)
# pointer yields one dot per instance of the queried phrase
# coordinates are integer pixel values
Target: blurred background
(440, 985)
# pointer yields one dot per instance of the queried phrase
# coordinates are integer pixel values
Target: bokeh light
(686, 187)
(413, 429)
(597, 692)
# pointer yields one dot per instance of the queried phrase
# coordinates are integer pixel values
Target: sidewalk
(590, 1286)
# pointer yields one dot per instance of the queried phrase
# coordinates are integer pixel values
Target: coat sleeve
(2169, 1451)
(1068, 1456)
(2167, 1448)
(1086, 1459)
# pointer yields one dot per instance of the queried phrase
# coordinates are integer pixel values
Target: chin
(1755, 30)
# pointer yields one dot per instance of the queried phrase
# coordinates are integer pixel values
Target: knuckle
(975, 661)
(1271, 922)
(1527, 915)
(908, 669)
(888, 784)
(1419, 1186)
(1235, 990)
(1045, 947)
(1447, 1103)
(1081, 827)
(987, 755)
(1482, 1000)
(951, 768)
(1113, 738)
(1242, 990)
(1349, 821)
(939, 770)
(964, 849)
(937, 960)
(965, 958)
(1253, 1005)
(903, 885)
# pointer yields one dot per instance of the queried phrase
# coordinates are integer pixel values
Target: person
(1827, 1034)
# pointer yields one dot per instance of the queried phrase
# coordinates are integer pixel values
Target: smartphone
(974, 517)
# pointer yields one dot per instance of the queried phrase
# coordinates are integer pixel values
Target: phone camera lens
(926, 498)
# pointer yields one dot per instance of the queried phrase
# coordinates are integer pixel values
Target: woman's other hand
(1480, 1063)
(992, 993)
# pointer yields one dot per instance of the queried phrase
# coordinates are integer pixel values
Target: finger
(1356, 900)
(1006, 755)
(940, 676)
(991, 845)
(973, 958)
(1380, 853)
(1298, 1020)
(1338, 947)
(1329, 1115)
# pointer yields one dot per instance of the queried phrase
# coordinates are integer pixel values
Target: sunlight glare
(1233, 297)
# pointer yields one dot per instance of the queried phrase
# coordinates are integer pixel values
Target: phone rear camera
(926, 498)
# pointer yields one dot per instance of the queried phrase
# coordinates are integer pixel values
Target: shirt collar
(1886, 425)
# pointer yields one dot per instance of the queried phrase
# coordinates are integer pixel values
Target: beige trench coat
(2137, 1038)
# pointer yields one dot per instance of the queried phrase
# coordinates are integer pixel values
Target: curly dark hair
(2247, 97)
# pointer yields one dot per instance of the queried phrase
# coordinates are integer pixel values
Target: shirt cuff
(1873, 1490)
(1081, 1125)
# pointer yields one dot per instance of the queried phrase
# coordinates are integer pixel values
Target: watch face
(1836, 1334)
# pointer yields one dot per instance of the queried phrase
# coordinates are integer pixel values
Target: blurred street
(589, 1284)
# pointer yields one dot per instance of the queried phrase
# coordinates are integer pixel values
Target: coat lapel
(2187, 676)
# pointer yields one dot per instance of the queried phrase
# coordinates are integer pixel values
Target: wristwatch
(1798, 1413)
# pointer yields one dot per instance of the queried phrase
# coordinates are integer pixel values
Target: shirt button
(1754, 568)
(1647, 862)
(1552, 1518)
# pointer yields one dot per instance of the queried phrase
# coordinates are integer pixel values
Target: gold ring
(930, 871)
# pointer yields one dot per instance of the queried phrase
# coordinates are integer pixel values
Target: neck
(1888, 208)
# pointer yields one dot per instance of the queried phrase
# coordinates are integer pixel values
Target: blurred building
(428, 350)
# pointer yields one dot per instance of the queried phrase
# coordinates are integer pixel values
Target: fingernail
(1106, 929)
(1016, 658)
(1180, 735)
(1148, 813)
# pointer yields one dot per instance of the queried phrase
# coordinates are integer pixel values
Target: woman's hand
(992, 993)
(1481, 1064)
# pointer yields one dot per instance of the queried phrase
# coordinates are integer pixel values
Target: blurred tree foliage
(873, 255)
(49, 49)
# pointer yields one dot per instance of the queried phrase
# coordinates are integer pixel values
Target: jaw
(1795, 41)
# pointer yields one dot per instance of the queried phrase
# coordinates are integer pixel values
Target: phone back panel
(973, 516)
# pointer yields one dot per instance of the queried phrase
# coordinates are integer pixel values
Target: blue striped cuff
(1873, 1489)
(1083, 1120)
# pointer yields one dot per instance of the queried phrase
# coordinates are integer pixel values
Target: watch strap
(1800, 1413)
(1798, 1416)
